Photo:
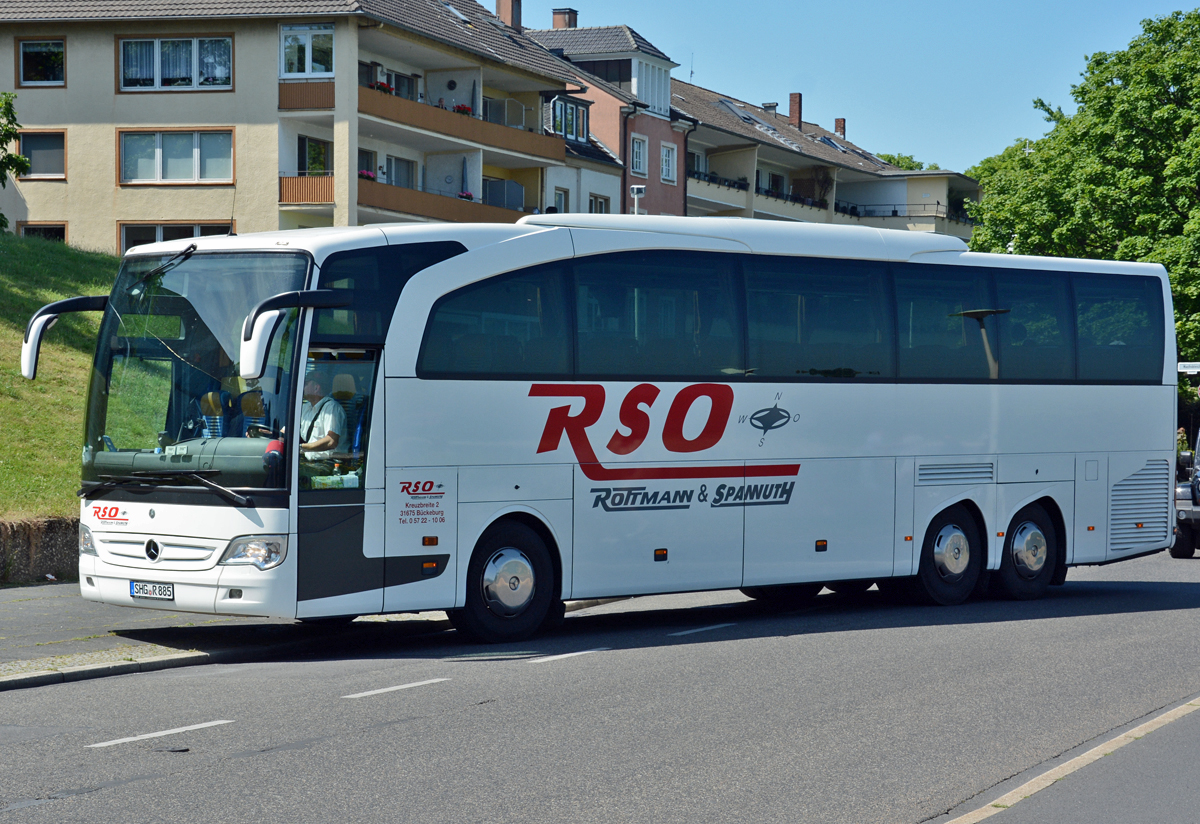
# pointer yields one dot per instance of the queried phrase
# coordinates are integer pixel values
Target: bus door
(340, 518)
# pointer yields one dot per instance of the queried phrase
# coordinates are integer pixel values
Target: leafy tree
(1120, 178)
(906, 162)
(9, 162)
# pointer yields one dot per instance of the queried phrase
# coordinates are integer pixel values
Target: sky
(949, 83)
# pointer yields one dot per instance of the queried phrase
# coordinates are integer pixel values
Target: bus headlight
(263, 551)
(86, 545)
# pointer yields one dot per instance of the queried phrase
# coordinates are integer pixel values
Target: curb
(172, 660)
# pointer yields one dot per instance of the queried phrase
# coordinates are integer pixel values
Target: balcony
(913, 217)
(306, 94)
(306, 189)
(709, 193)
(444, 130)
(375, 195)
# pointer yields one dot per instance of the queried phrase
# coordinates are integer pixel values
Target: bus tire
(951, 558)
(510, 585)
(1030, 555)
(1185, 543)
(783, 597)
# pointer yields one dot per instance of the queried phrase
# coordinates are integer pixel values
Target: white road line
(160, 734)
(1050, 776)
(701, 629)
(565, 655)
(393, 689)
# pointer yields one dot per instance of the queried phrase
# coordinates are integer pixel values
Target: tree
(9, 162)
(906, 162)
(1120, 178)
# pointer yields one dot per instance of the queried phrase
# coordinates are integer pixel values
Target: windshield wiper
(170, 263)
(145, 476)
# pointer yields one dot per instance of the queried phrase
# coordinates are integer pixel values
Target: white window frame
(594, 199)
(579, 120)
(22, 82)
(158, 87)
(668, 167)
(158, 160)
(637, 160)
(565, 196)
(32, 175)
(308, 30)
(158, 227)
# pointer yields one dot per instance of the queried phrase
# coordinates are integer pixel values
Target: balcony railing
(306, 94)
(436, 204)
(740, 185)
(306, 188)
(816, 203)
(902, 210)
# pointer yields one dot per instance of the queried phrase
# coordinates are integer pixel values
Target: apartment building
(628, 83)
(753, 161)
(174, 118)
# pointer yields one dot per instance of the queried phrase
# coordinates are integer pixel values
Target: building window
(562, 201)
(366, 164)
(46, 231)
(401, 172)
(637, 156)
(402, 85)
(306, 51)
(667, 167)
(570, 120)
(177, 157)
(313, 156)
(43, 62)
(177, 63)
(139, 234)
(47, 154)
(597, 205)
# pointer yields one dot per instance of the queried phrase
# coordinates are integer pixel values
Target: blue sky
(950, 83)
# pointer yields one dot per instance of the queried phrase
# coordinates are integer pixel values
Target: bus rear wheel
(951, 558)
(510, 583)
(1030, 555)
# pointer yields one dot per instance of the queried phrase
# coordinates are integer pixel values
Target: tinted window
(818, 319)
(509, 325)
(1120, 322)
(942, 317)
(659, 314)
(1036, 339)
(376, 276)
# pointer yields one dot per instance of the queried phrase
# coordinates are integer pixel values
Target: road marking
(159, 734)
(393, 689)
(701, 629)
(566, 655)
(1094, 754)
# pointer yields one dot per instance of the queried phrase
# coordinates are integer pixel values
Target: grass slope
(41, 422)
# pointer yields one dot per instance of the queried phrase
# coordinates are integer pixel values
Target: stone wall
(32, 549)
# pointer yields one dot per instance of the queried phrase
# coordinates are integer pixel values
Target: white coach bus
(588, 406)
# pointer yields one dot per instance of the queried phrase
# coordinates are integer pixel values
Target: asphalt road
(672, 709)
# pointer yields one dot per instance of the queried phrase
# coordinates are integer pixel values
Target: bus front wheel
(1030, 555)
(510, 585)
(951, 558)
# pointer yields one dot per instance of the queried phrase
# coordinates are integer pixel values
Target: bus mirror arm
(263, 319)
(46, 317)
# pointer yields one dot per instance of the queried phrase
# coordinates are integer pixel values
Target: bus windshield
(166, 403)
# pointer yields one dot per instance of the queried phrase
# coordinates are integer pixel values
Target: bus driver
(322, 419)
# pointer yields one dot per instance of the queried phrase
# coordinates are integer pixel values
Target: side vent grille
(956, 473)
(1140, 508)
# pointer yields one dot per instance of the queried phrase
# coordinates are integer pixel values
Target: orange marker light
(1139, 526)
(660, 555)
(908, 537)
(999, 534)
(429, 540)
(1091, 529)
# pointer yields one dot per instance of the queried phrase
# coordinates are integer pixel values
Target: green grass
(41, 422)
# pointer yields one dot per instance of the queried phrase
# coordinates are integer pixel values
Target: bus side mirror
(264, 319)
(46, 317)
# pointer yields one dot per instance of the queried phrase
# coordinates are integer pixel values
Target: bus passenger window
(505, 326)
(939, 334)
(659, 314)
(1120, 323)
(818, 319)
(1036, 342)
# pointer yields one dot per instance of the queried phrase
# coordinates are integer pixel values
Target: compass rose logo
(768, 419)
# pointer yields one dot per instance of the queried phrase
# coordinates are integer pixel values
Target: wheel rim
(1028, 550)
(508, 582)
(951, 552)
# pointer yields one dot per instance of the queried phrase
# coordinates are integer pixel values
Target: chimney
(509, 11)
(839, 126)
(770, 108)
(794, 109)
(566, 18)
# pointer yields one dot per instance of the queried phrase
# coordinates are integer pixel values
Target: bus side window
(351, 377)
(1036, 342)
(936, 341)
(1120, 325)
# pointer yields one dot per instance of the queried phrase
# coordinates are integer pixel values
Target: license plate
(157, 592)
